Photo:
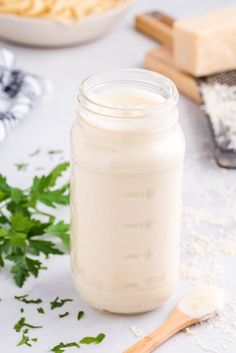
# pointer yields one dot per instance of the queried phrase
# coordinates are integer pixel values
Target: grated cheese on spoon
(203, 302)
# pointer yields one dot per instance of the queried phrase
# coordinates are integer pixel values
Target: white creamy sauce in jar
(125, 197)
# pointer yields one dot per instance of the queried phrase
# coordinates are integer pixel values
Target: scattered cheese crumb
(199, 273)
(203, 346)
(197, 216)
(189, 331)
(137, 332)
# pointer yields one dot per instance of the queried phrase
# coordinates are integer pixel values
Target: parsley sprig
(24, 225)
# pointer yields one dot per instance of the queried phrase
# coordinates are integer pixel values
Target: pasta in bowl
(54, 23)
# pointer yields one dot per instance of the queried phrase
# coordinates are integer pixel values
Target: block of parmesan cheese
(206, 44)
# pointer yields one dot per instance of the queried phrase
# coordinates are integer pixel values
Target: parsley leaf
(23, 268)
(20, 223)
(5, 189)
(21, 323)
(40, 184)
(3, 232)
(17, 195)
(22, 298)
(42, 191)
(52, 198)
(80, 315)
(60, 230)
(45, 247)
(57, 303)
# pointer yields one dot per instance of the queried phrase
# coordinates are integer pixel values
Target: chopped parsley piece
(21, 310)
(65, 314)
(95, 340)
(40, 310)
(23, 299)
(26, 339)
(57, 303)
(21, 166)
(59, 347)
(52, 152)
(21, 323)
(35, 152)
(80, 315)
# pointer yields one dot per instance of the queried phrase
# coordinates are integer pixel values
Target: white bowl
(48, 33)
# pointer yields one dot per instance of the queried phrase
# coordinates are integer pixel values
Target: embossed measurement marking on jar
(139, 225)
(145, 255)
(140, 194)
(103, 149)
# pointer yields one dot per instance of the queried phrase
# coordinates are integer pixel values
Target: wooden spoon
(202, 302)
(176, 322)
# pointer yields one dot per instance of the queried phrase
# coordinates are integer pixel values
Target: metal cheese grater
(160, 27)
(224, 133)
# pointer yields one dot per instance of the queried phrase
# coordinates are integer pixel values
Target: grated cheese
(203, 346)
(196, 217)
(204, 196)
(203, 258)
(203, 301)
(197, 273)
(203, 244)
(224, 346)
(226, 192)
(209, 240)
(220, 104)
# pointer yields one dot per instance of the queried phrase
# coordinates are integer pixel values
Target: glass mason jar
(127, 159)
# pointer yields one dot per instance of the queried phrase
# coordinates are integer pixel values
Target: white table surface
(48, 127)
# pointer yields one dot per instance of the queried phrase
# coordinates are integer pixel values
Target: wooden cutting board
(160, 60)
(160, 27)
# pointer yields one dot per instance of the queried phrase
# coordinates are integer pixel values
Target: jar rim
(140, 76)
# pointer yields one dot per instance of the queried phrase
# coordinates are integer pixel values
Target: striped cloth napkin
(19, 92)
